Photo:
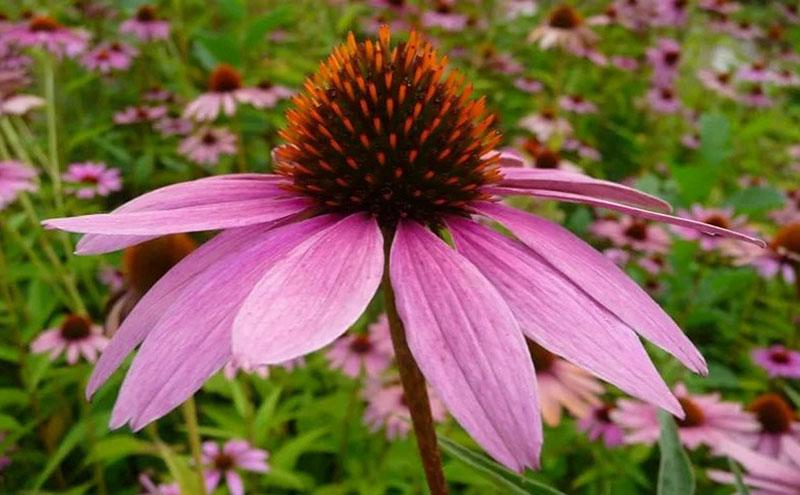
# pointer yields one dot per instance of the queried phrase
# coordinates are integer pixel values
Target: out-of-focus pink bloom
(778, 361)
(620, 257)
(146, 25)
(396, 7)
(786, 78)
(664, 58)
(371, 351)
(111, 277)
(790, 11)
(633, 233)
(598, 426)
(150, 488)
(45, 32)
(577, 104)
(224, 462)
(89, 179)
(763, 474)
(564, 28)
(563, 385)
(387, 409)
(207, 145)
(76, 336)
(225, 92)
(528, 84)
(546, 124)
(109, 57)
(718, 82)
(744, 30)
(624, 63)
(173, 126)
(790, 213)
(757, 72)
(671, 13)
(637, 15)
(708, 421)
(583, 149)
(755, 97)
(691, 140)
(724, 7)
(444, 17)
(514, 9)
(777, 421)
(233, 367)
(663, 100)
(503, 63)
(15, 177)
(652, 263)
(158, 94)
(18, 104)
(542, 157)
(721, 217)
(139, 114)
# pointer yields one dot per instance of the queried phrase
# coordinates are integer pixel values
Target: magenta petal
(560, 316)
(523, 179)
(650, 215)
(312, 295)
(468, 345)
(192, 338)
(600, 278)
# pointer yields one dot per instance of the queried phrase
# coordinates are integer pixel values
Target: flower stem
(193, 431)
(52, 133)
(414, 389)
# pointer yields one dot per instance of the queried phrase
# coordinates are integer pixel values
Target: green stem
(91, 437)
(193, 431)
(52, 131)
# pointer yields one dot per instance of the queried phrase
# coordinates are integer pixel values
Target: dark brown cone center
(75, 328)
(543, 359)
(361, 344)
(636, 231)
(224, 462)
(779, 357)
(694, 414)
(147, 262)
(773, 413)
(43, 23)
(224, 79)
(788, 239)
(146, 13)
(564, 17)
(718, 221)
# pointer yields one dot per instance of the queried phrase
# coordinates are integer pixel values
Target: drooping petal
(313, 295)
(192, 339)
(560, 316)
(650, 215)
(572, 182)
(468, 345)
(600, 278)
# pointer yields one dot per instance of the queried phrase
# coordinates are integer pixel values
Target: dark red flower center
(443, 7)
(146, 13)
(724, 77)
(266, 85)
(780, 357)
(667, 93)
(603, 414)
(547, 158)
(543, 359)
(147, 262)
(209, 139)
(103, 54)
(76, 328)
(636, 231)
(43, 23)
(224, 462)
(718, 220)
(382, 129)
(564, 17)
(361, 344)
(787, 239)
(224, 79)
(671, 57)
(694, 414)
(773, 412)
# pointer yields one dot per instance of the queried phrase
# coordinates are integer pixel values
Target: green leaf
(262, 25)
(675, 476)
(180, 471)
(696, 181)
(291, 450)
(514, 482)
(715, 133)
(69, 442)
(233, 10)
(793, 395)
(756, 200)
(741, 488)
(213, 48)
(114, 447)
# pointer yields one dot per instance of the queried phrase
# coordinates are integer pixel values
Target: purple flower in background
(45, 32)
(207, 145)
(173, 126)
(566, 29)
(633, 233)
(757, 72)
(302, 252)
(718, 82)
(577, 104)
(89, 179)
(109, 57)
(664, 58)
(161, 489)
(224, 462)
(528, 85)
(755, 97)
(371, 351)
(721, 217)
(598, 426)
(232, 368)
(546, 124)
(663, 100)
(15, 177)
(139, 114)
(778, 361)
(146, 25)
(763, 474)
(75, 336)
(387, 409)
(777, 421)
(443, 16)
(624, 63)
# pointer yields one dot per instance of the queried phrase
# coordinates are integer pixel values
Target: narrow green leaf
(675, 476)
(793, 395)
(69, 442)
(741, 488)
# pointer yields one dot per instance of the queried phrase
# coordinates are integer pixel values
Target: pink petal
(600, 278)
(760, 465)
(192, 339)
(311, 296)
(558, 315)
(572, 182)
(650, 215)
(468, 345)
(234, 482)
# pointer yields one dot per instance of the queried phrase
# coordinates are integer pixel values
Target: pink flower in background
(111, 277)
(582, 149)
(663, 100)
(89, 179)
(302, 252)
(75, 336)
(45, 32)
(11, 101)
(540, 156)
(598, 426)
(206, 146)
(691, 140)
(225, 92)
(146, 25)
(620, 257)
(724, 7)
(235, 455)
(371, 351)
(563, 386)
(776, 420)
(150, 488)
(546, 124)
(757, 72)
(755, 97)
(632, 233)
(778, 361)
(577, 104)
(664, 58)
(387, 409)
(232, 368)
(786, 78)
(528, 85)
(744, 30)
(721, 217)
(139, 114)
(624, 63)
(671, 13)
(564, 28)
(173, 126)
(15, 177)
(763, 474)
(443, 16)
(778, 260)
(158, 94)
(790, 213)
(708, 420)
(109, 57)
(718, 82)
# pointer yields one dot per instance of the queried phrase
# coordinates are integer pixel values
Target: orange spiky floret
(384, 129)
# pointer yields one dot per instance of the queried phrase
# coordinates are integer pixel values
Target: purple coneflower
(598, 426)
(11, 101)
(756, 72)
(781, 259)
(764, 475)
(718, 82)
(109, 57)
(387, 409)
(370, 351)
(546, 124)
(45, 32)
(724, 7)
(582, 149)
(664, 58)
(744, 30)
(15, 177)
(233, 367)
(150, 488)
(89, 179)
(173, 126)
(224, 462)
(633, 233)
(139, 114)
(627, 64)
(562, 386)
(207, 145)
(707, 420)
(225, 92)
(663, 100)
(577, 104)
(721, 217)
(777, 420)
(778, 361)
(755, 97)
(564, 28)
(444, 17)
(373, 168)
(790, 212)
(528, 85)
(75, 336)
(146, 25)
